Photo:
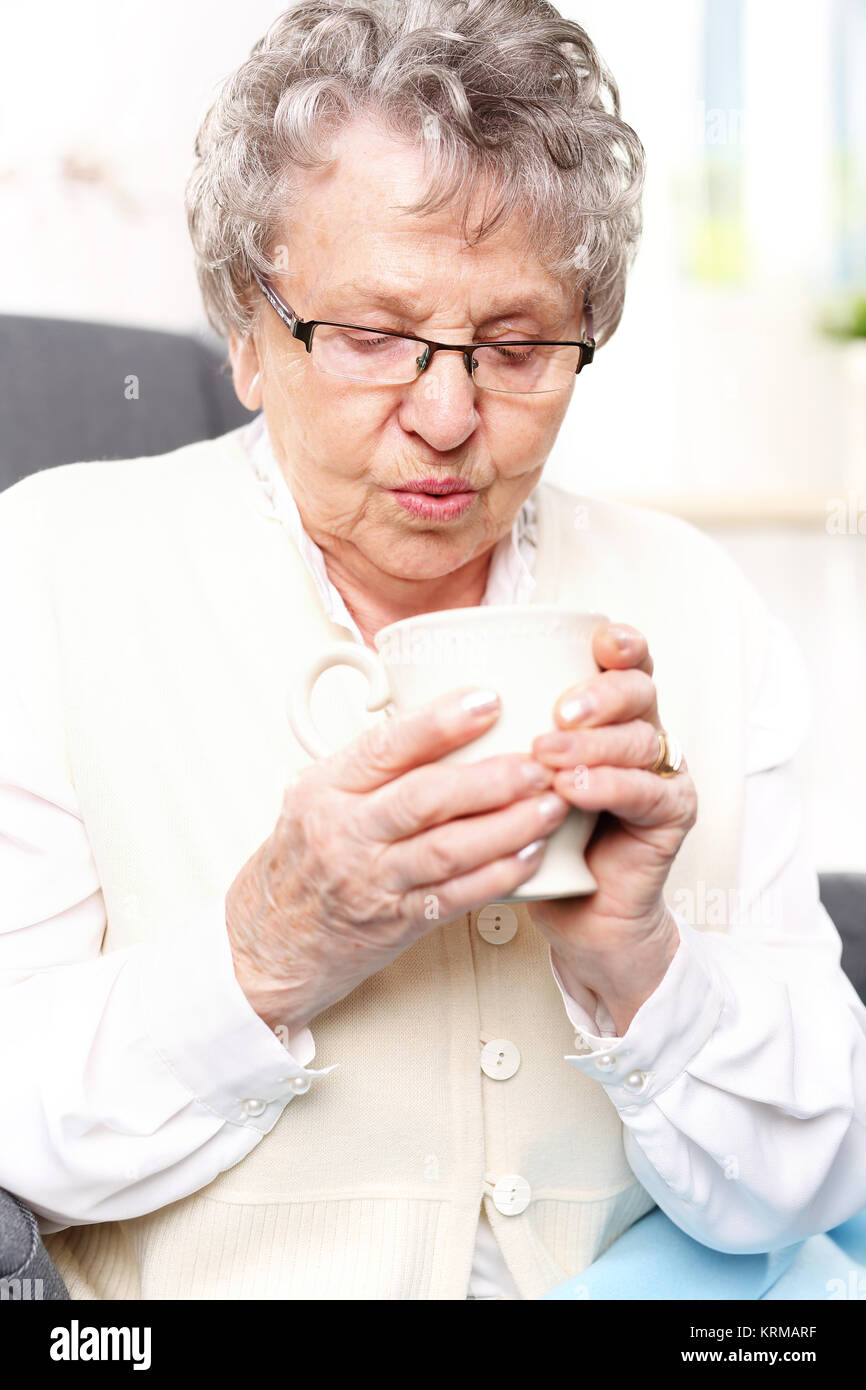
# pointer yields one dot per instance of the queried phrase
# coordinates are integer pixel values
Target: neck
(375, 599)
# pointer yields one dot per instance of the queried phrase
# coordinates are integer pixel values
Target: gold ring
(670, 756)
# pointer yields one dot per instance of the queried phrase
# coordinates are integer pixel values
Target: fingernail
(549, 807)
(621, 635)
(480, 702)
(534, 775)
(531, 850)
(577, 708)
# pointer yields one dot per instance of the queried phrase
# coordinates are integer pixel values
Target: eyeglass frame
(303, 330)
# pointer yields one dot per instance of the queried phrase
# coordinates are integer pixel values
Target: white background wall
(716, 401)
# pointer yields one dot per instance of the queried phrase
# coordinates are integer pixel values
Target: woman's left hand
(619, 941)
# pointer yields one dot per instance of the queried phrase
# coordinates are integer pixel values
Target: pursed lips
(436, 487)
(435, 499)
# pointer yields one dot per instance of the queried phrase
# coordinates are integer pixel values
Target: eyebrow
(385, 297)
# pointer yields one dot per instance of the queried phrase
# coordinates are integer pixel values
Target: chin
(434, 557)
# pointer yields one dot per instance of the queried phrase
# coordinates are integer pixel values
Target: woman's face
(346, 448)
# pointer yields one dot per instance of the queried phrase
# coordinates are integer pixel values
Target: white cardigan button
(499, 1059)
(497, 923)
(255, 1107)
(512, 1194)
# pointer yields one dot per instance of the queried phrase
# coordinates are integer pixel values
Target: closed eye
(365, 340)
(513, 354)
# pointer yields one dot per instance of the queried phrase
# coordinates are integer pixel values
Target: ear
(246, 373)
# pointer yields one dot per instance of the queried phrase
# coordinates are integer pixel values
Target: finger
(490, 884)
(439, 792)
(617, 646)
(393, 746)
(632, 795)
(610, 698)
(633, 744)
(448, 851)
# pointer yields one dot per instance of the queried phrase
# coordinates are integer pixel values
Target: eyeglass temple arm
(286, 313)
(587, 351)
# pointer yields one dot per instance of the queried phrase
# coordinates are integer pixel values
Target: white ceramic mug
(528, 653)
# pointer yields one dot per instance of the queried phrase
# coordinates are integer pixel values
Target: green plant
(847, 319)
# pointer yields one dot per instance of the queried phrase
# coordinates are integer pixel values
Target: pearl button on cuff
(605, 1062)
(299, 1085)
(255, 1107)
(635, 1081)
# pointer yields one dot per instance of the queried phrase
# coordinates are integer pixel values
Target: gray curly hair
(501, 91)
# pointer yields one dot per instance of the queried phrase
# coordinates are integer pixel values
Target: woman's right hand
(374, 846)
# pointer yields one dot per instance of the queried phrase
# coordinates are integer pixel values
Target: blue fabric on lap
(654, 1259)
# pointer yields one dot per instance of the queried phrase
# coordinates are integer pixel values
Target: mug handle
(341, 654)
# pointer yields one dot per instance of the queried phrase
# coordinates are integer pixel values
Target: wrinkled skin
(368, 854)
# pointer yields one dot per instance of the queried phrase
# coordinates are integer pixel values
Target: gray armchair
(64, 396)
(844, 896)
(26, 1271)
(71, 391)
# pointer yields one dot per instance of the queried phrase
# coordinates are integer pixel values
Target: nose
(440, 405)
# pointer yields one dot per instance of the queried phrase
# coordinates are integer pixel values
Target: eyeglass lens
(362, 355)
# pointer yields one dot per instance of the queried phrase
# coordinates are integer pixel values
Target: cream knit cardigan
(181, 611)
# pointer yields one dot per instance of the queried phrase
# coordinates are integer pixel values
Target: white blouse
(781, 1076)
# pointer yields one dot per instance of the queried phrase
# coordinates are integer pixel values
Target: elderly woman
(412, 221)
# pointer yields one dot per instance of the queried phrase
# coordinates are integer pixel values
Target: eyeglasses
(381, 357)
